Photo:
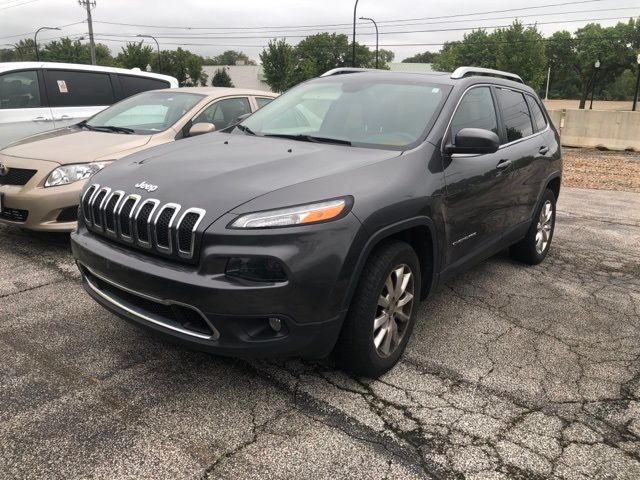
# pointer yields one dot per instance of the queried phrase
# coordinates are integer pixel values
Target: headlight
(300, 215)
(67, 174)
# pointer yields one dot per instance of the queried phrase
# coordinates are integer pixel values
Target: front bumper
(232, 315)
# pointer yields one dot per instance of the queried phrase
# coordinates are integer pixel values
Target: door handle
(42, 119)
(543, 150)
(64, 117)
(503, 164)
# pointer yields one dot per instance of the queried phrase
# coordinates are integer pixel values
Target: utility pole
(90, 4)
(635, 93)
(546, 95)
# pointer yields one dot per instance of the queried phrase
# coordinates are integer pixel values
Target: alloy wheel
(545, 225)
(393, 312)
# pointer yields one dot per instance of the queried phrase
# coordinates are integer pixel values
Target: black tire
(355, 350)
(525, 250)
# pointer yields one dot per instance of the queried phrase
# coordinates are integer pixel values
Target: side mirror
(201, 129)
(474, 141)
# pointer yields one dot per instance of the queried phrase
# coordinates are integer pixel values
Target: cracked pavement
(512, 372)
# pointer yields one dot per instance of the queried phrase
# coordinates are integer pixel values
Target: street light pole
(635, 95)
(35, 39)
(158, 46)
(595, 76)
(353, 54)
(546, 95)
(377, 44)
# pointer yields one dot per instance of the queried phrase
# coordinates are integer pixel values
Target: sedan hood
(218, 172)
(73, 145)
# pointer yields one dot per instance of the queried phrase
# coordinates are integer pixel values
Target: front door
(478, 186)
(23, 108)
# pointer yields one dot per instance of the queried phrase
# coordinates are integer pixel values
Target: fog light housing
(256, 269)
(275, 324)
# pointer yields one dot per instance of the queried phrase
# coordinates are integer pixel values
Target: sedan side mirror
(201, 129)
(474, 141)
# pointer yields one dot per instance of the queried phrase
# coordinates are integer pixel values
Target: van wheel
(382, 313)
(533, 248)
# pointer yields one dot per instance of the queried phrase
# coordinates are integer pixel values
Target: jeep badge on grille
(146, 186)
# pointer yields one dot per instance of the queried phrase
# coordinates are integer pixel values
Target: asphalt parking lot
(512, 372)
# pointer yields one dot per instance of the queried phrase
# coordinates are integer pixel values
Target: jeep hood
(73, 145)
(219, 171)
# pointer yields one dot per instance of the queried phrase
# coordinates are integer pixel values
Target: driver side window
(224, 113)
(476, 110)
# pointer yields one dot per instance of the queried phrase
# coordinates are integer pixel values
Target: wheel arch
(553, 184)
(420, 233)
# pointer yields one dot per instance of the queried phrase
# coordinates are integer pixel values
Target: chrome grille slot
(142, 222)
(186, 231)
(124, 217)
(110, 208)
(163, 227)
(86, 202)
(97, 204)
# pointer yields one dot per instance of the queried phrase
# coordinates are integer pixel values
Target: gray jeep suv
(317, 224)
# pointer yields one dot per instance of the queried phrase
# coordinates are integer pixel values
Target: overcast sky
(258, 19)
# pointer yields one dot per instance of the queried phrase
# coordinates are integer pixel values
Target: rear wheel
(533, 248)
(382, 313)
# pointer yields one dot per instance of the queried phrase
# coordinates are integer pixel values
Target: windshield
(383, 113)
(146, 113)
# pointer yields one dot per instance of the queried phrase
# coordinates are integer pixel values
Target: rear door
(23, 106)
(478, 186)
(523, 145)
(77, 94)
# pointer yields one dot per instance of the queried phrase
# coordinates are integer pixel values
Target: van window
(539, 119)
(68, 88)
(131, 84)
(476, 110)
(262, 101)
(19, 90)
(224, 113)
(515, 114)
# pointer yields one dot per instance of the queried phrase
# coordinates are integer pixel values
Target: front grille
(175, 316)
(143, 223)
(17, 176)
(14, 215)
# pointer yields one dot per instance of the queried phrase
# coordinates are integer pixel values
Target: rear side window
(68, 88)
(19, 90)
(262, 101)
(476, 110)
(539, 119)
(224, 112)
(515, 114)
(131, 84)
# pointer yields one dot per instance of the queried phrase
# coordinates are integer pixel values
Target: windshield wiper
(103, 128)
(245, 129)
(310, 138)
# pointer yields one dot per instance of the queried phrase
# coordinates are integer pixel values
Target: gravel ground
(603, 170)
(512, 372)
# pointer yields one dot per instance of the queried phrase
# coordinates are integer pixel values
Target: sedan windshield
(352, 110)
(144, 114)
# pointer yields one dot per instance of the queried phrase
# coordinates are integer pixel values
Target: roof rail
(462, 72)
(343, 70)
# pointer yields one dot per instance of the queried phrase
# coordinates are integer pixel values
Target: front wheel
(382, 313)
(533, 248)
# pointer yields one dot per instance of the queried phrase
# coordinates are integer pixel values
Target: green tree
(194, 68)
(25, 49)
(386, 56)
(184, 65)
(137, 55)
(521, 50)
(277, 64)
(221, 79)
(426, 57)
(447, 59)
(229, 57)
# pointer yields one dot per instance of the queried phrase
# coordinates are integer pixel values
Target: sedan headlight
(67, 174)
(299, 215)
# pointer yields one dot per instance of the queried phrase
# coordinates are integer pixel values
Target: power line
(393, 32)
(26, 34)
(349, 24)
(19, 4)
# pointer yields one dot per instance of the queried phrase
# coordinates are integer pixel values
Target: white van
(39, 96)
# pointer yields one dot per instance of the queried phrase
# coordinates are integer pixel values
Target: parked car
(40, 96)
(41, 176)
(326, 237)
